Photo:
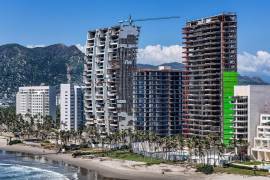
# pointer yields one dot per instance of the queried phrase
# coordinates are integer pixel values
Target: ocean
(20, 166)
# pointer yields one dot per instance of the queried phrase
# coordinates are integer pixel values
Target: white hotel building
(261, 148)
(36, 101)
(71, 107)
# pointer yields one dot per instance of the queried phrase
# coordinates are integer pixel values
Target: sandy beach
(123, 169)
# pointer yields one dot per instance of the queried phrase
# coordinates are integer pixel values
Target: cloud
(258, 63)
(81, 47)
(35, 45)
(157, 54)
(154, 54)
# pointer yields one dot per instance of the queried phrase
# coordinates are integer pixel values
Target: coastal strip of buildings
(201, 100)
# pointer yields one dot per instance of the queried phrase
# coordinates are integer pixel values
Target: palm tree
(242, 147)
(221, 149)
(181, 144)
(201, 150)
(190, 145)
(130, 137)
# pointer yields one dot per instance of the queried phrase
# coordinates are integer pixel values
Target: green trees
(25, 126)
(208, 150)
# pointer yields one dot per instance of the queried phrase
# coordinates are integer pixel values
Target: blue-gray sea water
(20, 166)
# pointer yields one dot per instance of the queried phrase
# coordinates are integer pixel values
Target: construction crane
(130, 21)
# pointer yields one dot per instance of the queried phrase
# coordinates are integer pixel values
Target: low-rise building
(261, 147)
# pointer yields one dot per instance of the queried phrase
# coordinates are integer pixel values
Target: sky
(44, 22)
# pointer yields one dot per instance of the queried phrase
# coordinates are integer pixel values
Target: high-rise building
(248, 103)
(157, 100)
(71, 107)
(210, 58)
(110, 63)
(36, 101)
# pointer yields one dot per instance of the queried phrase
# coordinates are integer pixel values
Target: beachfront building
(210, 58)
(261, 148)
(71, 107)
(157, 100)
(108, 69)
(36, 101)
(249, 102)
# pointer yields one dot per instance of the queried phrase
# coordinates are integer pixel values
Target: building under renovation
(157, 100)
(210, 58)
(110, 63)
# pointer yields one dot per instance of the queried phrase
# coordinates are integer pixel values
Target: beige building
(261, 148)
(249, 102)
(36, 101)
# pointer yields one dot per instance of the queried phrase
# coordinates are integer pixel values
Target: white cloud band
(249, 64)
(157, 54)
(259, 63)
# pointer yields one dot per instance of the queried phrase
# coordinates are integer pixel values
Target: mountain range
(22, 66)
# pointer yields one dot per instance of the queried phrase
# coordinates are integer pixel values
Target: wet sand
(122, 169)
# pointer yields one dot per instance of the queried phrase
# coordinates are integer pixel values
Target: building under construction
(157, 100)
(210, 58)
(110, 63)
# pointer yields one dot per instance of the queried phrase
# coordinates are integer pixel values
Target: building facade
(36, 101)
(157, 100)
(210, 58)
(248, 103)
(71, 107)
(261, 148)
(110, 62)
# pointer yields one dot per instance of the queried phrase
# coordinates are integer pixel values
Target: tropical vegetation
(126, 144)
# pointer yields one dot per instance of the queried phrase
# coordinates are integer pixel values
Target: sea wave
(19, 172)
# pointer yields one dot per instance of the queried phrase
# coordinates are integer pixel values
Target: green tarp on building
(229, 81)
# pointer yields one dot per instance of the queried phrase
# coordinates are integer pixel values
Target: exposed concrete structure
(71, 107)
(110, 63)
(157, 100)
(36, 101)
(249, 102)
(261, 149)
(210, 58)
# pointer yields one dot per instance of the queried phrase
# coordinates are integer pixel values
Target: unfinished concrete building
(210, 58)
(110, 62)
(157, 100)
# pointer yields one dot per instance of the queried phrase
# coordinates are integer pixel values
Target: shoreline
(119, 169)
(122, 169)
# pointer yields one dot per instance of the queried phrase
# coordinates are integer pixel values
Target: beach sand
(123, 169)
